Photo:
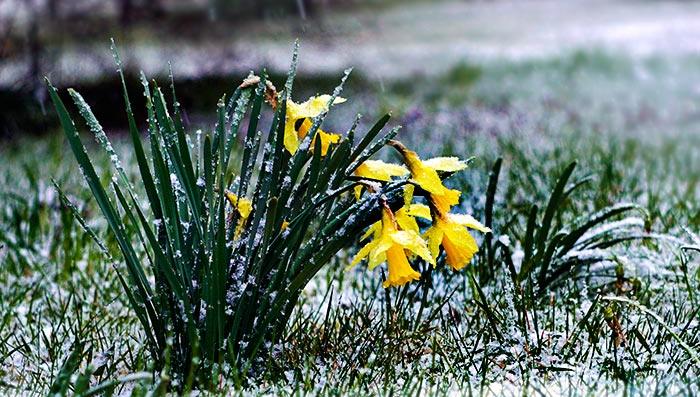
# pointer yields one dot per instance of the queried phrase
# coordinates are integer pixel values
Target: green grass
(623, 320)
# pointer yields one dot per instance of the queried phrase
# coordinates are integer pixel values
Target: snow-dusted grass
(620, 320)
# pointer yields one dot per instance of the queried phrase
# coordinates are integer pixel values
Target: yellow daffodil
(390, 247)
(304, 112)
(449, 230)
(424, 174)
(244, 208)
(378, 170)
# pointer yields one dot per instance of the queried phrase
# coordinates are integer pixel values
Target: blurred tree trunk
(126, 12)
(305, 8)
(154, 8)
(35, 49)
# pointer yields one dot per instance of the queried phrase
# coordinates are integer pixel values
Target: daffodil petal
(446, 199)
(413, 242)
(459, 252)
(232, 198)
(408, 195)
(405, 221)
(460, 236)
(420, 210)
(245, 207)
(304, 128)
(326, 140)
(242, 205)
(447, 164)
(469, 221)
(377, 169)
(291, 140)
(434, 237)
(459, 245)
(363, 252)
(315, 106)
(428, 179)
(375, 229)
(358, 192)
(378, 254)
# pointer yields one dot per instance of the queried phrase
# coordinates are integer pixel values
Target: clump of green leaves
(213, 296)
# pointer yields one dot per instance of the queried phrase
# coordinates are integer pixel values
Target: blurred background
(405, 53)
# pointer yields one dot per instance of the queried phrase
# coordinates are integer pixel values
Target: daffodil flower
(244, 208)
(304, 112)
(450, 231)
(378, 170)
(424, 174)
(390, 246)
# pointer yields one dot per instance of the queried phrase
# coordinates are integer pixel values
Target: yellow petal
(387, 222)
(405, 221)
(459, 245)
(428, 179)
(446, 199)
(326, 137)
(400, 271)
(326, 140)
(304, 128)
(375, 229)
(378, 254)
(358, 192)
(447, 164)
(420, 210)
(291, 140)
(313, 106)
(363, 252)
(243, 205)
(306, 110)
(377, 169)
(231, 197)
(425, 177)
(408, 195)
(434, 237)
(292, 111)
(468, 221)
(459, 253)
(413, 242)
